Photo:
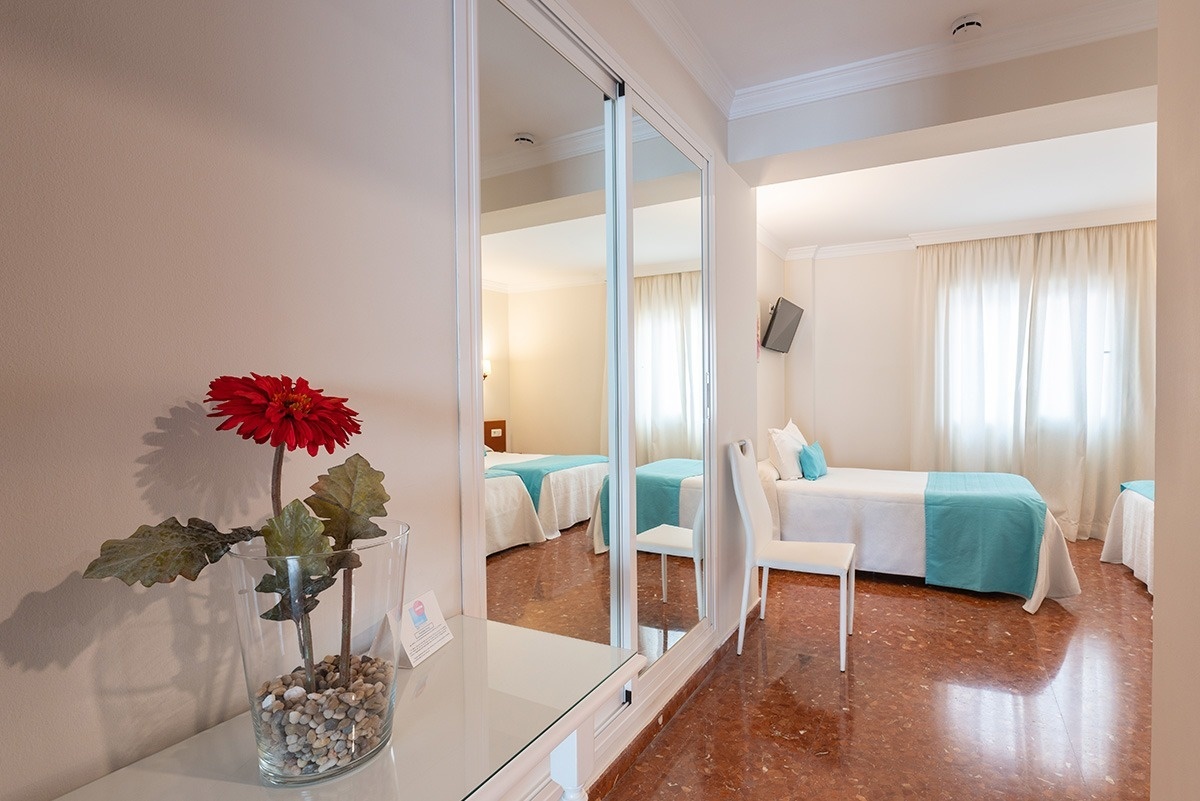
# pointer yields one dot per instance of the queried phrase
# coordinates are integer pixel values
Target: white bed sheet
(509, 517)
(1130, 536)
(567, 495)
(691, 495)
(883, 513)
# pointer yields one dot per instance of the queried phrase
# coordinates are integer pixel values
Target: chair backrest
(698, 531)
(751, 498)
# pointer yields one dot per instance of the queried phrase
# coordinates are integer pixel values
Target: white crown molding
(772, 243)
(815, 252)
(664, 18)
(1094, 23)
(1039, 225)
(801, 253)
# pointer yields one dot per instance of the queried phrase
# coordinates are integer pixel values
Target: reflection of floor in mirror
(947, 695)
(560, 586)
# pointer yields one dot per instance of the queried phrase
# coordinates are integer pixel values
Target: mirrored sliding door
(668, 354)
(544, 258)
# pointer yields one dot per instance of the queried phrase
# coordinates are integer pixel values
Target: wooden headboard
(495, 434)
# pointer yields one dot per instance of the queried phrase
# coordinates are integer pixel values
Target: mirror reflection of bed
(545, 306)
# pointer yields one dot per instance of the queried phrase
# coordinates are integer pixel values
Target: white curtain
(668, 359)
(1036, 356)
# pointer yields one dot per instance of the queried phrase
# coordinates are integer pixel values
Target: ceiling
(741, 51)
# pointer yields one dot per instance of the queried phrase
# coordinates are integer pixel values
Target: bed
(562, 488)
(1130, 536)
(509, 516)
(656, 484)
(884, 513)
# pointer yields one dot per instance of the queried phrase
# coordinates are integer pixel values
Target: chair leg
(699, 590)
(663, 556)
(742, 617)
(850, 622)
(842, 609)
(762, 603)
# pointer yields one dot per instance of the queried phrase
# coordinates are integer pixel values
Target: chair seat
(829, 558)
(666, 539)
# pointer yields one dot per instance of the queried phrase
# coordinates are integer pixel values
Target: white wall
(771, 372)
(495, 347)
(1174, 770)
(848, 379)
(799, 390)
(191, 190)
(558, 393)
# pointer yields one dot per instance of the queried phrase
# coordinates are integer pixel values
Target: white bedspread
(567, 495)
(1130, 536)
(883, 513)
(691, 495)
(509, 518)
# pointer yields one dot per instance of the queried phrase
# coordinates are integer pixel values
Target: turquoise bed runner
(657, 493)
(497, 472)
(1140, 487)
(983, 532)
(534, 471)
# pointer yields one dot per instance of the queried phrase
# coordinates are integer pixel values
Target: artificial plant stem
(347, 610)
(295, 585)
(276, 479)
(300, 618)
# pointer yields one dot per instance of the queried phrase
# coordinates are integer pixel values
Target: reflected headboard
(495, 434)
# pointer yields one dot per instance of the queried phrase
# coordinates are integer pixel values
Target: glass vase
(320, 637)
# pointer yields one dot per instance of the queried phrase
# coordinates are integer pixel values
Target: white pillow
(784, 450)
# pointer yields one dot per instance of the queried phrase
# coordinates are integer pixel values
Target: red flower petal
(278, 410)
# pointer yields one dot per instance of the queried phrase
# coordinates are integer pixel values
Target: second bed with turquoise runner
(983, 532)
(534, 471)
(658, 485)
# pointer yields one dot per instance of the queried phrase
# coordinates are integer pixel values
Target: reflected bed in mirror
(544, 268)
(552, 289)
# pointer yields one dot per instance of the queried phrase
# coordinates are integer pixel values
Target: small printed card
(423, 630)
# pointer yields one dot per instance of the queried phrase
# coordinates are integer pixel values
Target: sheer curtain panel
(1036, 356)
(668, 359)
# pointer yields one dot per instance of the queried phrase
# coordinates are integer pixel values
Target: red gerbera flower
(266, 408)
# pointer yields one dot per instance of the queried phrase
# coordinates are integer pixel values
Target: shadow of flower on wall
(194, 467)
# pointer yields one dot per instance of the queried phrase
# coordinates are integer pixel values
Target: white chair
(827, 558)
(667, 540)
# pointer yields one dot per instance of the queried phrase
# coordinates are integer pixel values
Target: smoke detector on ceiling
(524, 138)
(968, 26)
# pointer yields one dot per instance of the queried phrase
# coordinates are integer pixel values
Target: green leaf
(159, 554)
(310, 587)
(347, 498)
(295, 532)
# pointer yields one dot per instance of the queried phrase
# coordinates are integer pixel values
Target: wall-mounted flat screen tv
(781, 328)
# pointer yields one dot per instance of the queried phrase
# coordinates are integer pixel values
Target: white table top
(461, 716)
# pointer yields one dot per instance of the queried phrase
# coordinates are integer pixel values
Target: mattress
(509, 517)
(567, 495)
(691, 495)
(1129, 539)
(883, 513)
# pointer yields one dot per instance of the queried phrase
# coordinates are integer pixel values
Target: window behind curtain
(668, 360)
(1037, 357)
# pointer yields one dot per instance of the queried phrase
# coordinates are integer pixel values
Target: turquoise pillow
(812, 461)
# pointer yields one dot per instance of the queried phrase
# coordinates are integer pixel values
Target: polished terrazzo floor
(562, 586)
(947, 695)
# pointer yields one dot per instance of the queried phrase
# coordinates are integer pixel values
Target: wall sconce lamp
(487, 368)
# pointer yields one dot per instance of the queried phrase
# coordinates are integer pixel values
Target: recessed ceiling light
(524, 138)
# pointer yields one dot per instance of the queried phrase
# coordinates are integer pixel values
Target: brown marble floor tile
(947, 695)
(561, 586)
